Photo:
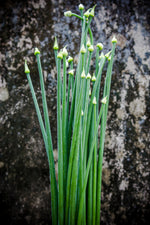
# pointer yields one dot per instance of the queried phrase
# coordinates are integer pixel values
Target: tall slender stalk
(59, 145)
(102, 132)
(77, 200)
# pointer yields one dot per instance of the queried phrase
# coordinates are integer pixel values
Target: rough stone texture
(24, 186)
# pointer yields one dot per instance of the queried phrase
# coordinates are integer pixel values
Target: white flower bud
(83, 50)
(60, 55)
(114, 40)
(91, 48)
(36, 51)
(83, 74)
(26, 68)
(94, 101)
(70, 59)
(88, 76)
(93, 78)
(100, 46)
(108, 55)
(101, 55)
(81, 7)
(104, 100)
(55, 47)
(88, 44)
(71, 72)
(64, 52)
(68, 13)
(92, 11)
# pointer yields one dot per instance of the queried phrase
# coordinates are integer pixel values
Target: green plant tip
(93, 78)
(82, 113)
(87, 13)
(83, 50)
(100, 46)
(55, 47)
(70, 59)
(71, 72)
(104, 100)
(60, 55)
(108, 55)
(88, 44)
(92, 11)
(114, 40)
(83, 74)
(91, 48)
(94, 101)
(101, 55)
(26, 68)
(36, 51)
(65, 52)
(109, 58)
(68, 13)
(88, 76)
(81, 7)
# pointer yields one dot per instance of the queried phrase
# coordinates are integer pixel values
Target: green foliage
(76, 196)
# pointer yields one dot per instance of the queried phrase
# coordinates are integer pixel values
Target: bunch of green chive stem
(81, 126)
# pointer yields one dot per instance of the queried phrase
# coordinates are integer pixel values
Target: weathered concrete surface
(24, 186)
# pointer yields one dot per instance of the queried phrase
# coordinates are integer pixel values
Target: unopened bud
(88, 76)
(87, 13)
(88, 44)
(26, 68)
(36, 51)
(65, 52)
(81, 7)
(100, 46)
(109, 58)
(114, 40)
(83, 74)
(92, 11)
(104, 100)
(93, 78)
(68, 13)
(83, 50)
(101, 55)
(108, 55)
(71, 72)
(55, 47)
(91, 48)
(70, 59)
(60, 55)
(94, 101)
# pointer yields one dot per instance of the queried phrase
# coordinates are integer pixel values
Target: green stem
(73, 188)
(60, 150)
(72, 80)
(79, 67)
(87, 171)
(38, 112)
(50, 146)
(94, 171)
(64, 130)
(102, 135)
(76, 15)
(90, 105)
(97, 57)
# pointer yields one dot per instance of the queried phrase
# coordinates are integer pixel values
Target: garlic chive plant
(76, 195)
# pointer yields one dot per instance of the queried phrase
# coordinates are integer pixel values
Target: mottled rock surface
(24, 186)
